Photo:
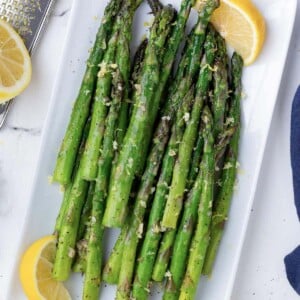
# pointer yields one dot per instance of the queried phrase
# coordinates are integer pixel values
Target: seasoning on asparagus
(113, 265)
(155, 5)
(190, 211)
(92, 278)
(69, 147)
(220, 213)
(83, 232)
(163, 255)
(152, 87)
(123, 62)
(69, 225)
(101, 104)
(202, 233)
(138, 133)
(144, 193)
(153, 233)
(220, 95)
(181, 169)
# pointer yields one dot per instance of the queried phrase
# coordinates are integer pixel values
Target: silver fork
(28, 17)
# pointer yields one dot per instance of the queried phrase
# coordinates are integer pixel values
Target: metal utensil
(28, 17)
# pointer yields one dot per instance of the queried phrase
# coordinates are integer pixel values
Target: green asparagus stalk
(123, 62)
(68, 151)
(200, 32)
(221, 87)
(220, 213)
(162, 130)
(201, 236)
(172, 47)
(196, 159)
(83, 232)
(135, 229)
(181, 168)
(193, 47)
(63, 208)
(155, 5)
(68, 188)
(162, 34)
(86, 211)
(163, 255)
(165, 250)
(153, 233)
(112, 267)
(185, 73)
(122, 181)
(69, 223)
(101, 103)
(137, 65)
(139, 131)
(224, 140)
(119, 52)
(92, 277)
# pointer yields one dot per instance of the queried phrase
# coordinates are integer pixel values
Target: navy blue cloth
(292, 260)
(295, 148)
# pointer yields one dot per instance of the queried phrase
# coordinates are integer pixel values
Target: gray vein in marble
(30, 131)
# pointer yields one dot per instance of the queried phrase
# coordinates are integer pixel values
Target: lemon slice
(242, 26)
(15, 63)
(36, 272)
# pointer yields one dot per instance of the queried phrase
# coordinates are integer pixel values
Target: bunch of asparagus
(150, 152)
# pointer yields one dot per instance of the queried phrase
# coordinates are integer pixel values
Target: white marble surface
(273, 229)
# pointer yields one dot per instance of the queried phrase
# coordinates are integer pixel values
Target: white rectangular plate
(261, 84)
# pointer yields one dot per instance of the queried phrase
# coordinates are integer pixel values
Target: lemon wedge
(36, 272)
(15, 63)
(242, 26)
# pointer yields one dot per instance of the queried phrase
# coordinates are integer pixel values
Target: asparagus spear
(112, 268)
(144, 194)
(68, 188)
(86, 212)
(196, 159)
(63, 207)
(118, 51)
(123, 62)
(187, 69)
(221, 86)
(138, 133)
(190, 211)
(181, 168)
(113, 265)
(201, 236)
(137, 65)
(178, 90)
(163, 32)
(155, 5)
(92, 277)
(69, 222)
(153, 233)
(163, 255)
(83, 232)
(220, 213)
(134, 231)
(69, 147)
(121, 180)
(167, 243)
